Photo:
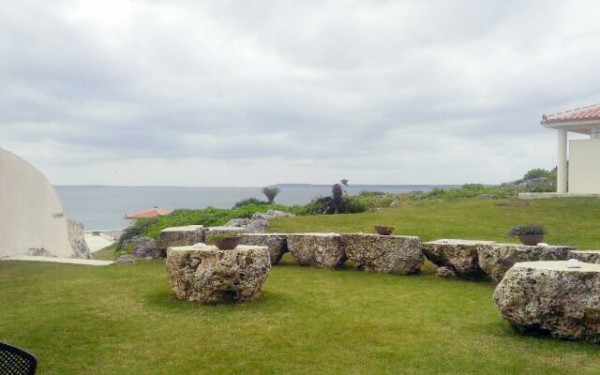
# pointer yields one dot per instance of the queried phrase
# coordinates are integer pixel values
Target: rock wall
(388, 254)
(587, 256)
(496, 259)
(275, 242)
(77, 240)
(548, 298)
(460, 257)
(321, 250)
(179, 236)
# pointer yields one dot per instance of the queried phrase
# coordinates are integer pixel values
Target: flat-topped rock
(322, 250)
(459, 256)
(588, 256)
(209, 275)
(496, 259)
(388, 254)
(275, 242)
(222, 230)
(547, 297)
(179, 236)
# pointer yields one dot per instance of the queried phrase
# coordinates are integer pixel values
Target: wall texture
(32, 220)
(584, 166)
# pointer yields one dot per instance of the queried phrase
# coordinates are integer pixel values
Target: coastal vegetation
(535, 180)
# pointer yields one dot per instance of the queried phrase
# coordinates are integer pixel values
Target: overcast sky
(253, 93)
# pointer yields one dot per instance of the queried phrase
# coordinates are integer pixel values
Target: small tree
(271, 192)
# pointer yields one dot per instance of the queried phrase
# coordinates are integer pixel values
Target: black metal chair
(15, 361)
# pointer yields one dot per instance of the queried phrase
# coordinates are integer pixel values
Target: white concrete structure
(578, 167)
(31, 215)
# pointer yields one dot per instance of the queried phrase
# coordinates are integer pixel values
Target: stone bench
(460, 257)
(496, 259)
(179, 236)
(209, 275)
(321, 250)
(388, 254)
(548, 297)
(275, 242)
(588, 256)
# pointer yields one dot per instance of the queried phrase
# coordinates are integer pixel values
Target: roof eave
(580, 126)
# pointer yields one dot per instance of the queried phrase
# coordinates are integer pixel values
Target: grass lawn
(123, 319)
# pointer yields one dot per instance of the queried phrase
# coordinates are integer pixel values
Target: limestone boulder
(388, 254)
(549, 298)
(209, 275)
(275, 242)
(321, 250)
(587, 256)
(460, 256)
(496, 259)
(180, 236)
(143, 247)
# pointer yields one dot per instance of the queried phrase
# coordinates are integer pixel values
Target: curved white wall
(31, 215)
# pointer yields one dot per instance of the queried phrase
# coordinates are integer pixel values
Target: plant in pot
(529, 234)
(384, 230)
(226, 241)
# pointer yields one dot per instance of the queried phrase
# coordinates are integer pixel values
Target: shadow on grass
(166, 300)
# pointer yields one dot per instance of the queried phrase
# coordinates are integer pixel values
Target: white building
(578, 169)
(31, 215)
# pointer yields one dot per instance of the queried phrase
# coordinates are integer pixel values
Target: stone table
(459, 256)
(179, 236)
(496, 259)
(548, 297)
(388, 254)
(321, 250)
(275, 242)
(209, 275)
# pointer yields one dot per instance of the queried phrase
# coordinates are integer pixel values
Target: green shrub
(249, 202)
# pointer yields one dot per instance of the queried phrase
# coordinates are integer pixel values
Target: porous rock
(275, 242)
(209, 275)
(587, 256)
(143, 247)
(549, 298)
(321, 250)
(496, 259)
(458, 255)
(388, 254)
(180, 236)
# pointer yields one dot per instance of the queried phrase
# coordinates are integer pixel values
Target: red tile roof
(588, 113)
(144, 214)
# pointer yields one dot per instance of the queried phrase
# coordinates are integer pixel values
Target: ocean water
(102, 208)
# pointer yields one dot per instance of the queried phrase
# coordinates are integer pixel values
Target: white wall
(584, 166)
(31, 215)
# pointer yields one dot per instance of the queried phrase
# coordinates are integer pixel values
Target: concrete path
(89, 262)
(97, 242)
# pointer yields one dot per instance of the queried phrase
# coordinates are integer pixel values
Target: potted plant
(384, 230)
(226, 241)
(529, 234)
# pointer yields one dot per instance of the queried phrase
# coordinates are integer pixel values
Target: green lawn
(124, 320)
